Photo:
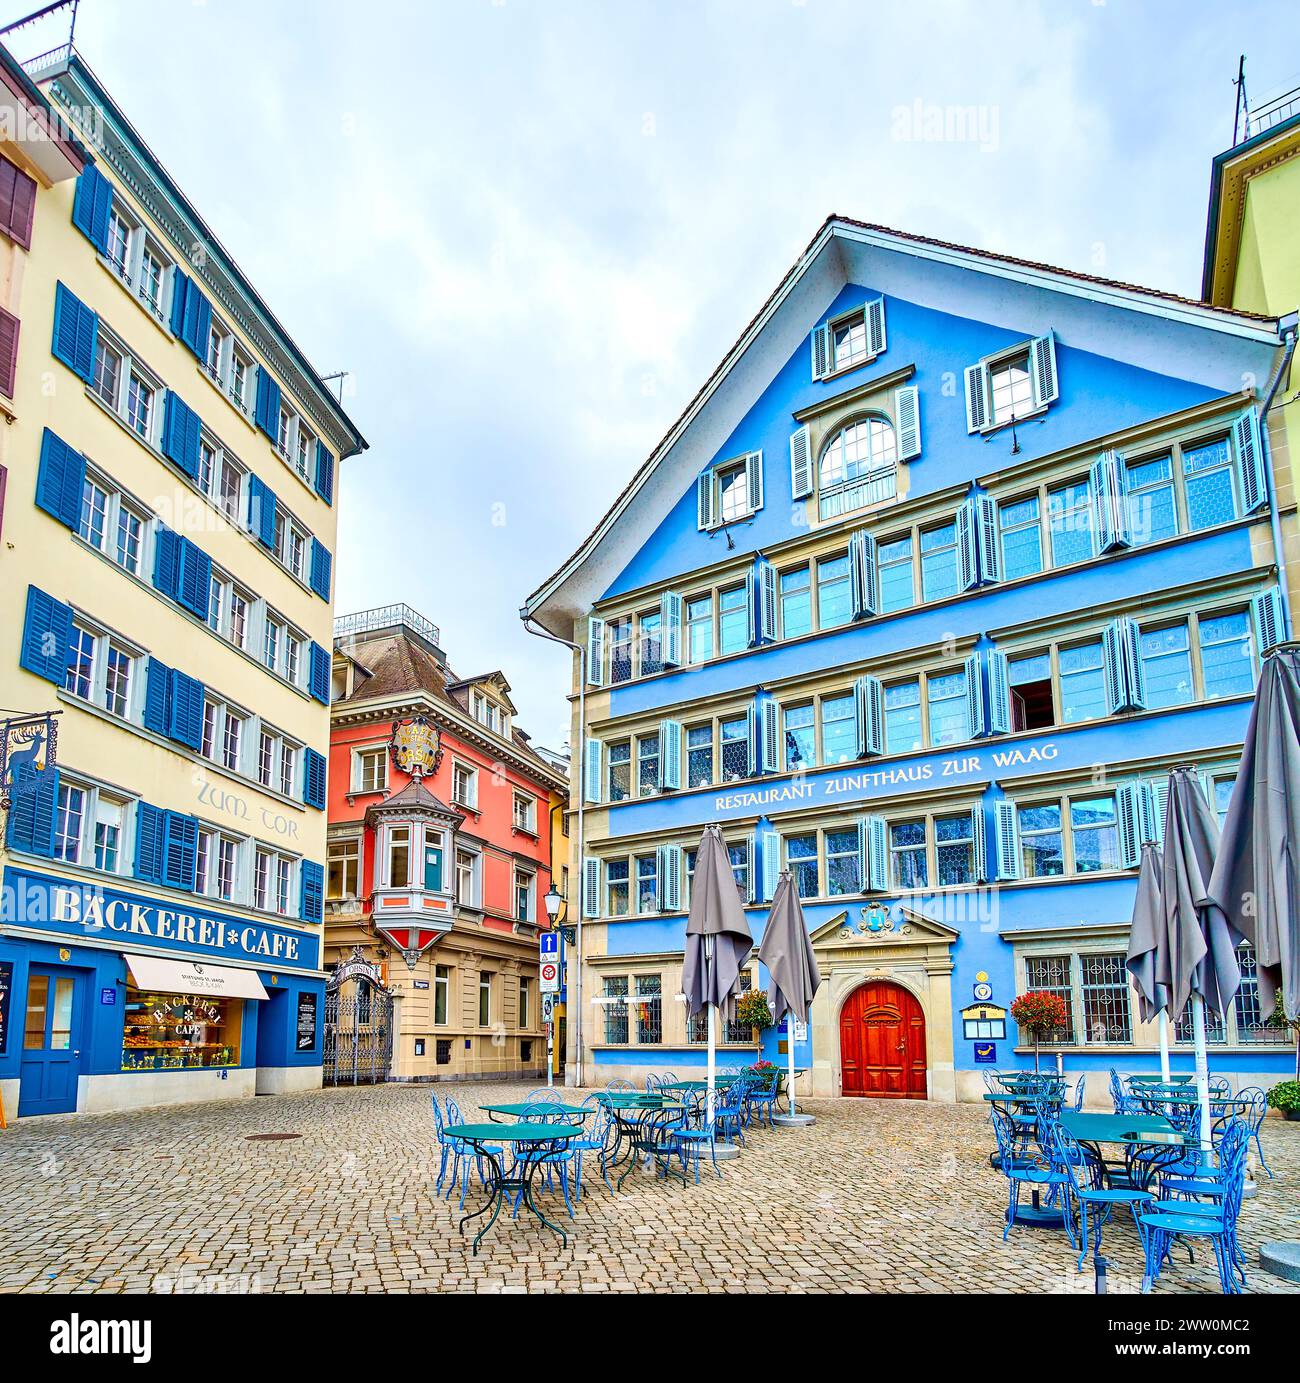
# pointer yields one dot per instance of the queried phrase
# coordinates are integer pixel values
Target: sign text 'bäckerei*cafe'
(105, 915)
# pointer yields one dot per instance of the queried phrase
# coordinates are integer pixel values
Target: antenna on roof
(1241, 109)
(337, 377)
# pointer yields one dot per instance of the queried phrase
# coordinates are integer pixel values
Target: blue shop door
(51, 1057)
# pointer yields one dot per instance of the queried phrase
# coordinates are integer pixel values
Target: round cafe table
(532, 1143)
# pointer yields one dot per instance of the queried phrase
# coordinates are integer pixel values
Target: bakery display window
(179, 1032)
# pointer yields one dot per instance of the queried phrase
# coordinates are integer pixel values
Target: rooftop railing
(387, 617)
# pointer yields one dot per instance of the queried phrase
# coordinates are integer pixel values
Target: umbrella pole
(711, 1101)
(1202, 1070)
(1162, 1022)
(789, 1022)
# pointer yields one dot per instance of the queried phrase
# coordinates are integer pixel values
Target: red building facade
(439, 856)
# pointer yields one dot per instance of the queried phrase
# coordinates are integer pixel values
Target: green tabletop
(1182, 1094)
(511, 1133)
(720, 1083)
(1121, 1128)
(1160, 1080)
(522, 1111)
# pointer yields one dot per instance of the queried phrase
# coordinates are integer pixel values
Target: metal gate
(358, 1024)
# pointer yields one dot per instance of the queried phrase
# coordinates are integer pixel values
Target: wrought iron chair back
(1252, 1115)
(1080, 1090)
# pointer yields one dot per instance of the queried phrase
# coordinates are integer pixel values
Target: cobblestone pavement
(877, 1195)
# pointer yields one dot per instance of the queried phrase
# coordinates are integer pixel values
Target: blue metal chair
(620, 1085)
(1120, 1097)
(1080, 1091)
(1219, 1088)
(1211, 1215)
(729, 1110)
(1252, 1115)
(594, 1138)
(695, 1133)
(1086, 1194)
(556, 1163)
(1020, 1168)
(761, 1093)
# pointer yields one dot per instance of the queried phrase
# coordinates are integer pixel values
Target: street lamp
(554, 901)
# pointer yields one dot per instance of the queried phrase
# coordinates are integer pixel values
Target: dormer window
(729, 491)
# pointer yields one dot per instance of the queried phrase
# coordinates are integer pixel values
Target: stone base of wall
(100, 1094)
(287, 1080)
(537, 1073)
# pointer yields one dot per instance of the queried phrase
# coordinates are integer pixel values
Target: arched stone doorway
(882, 1043)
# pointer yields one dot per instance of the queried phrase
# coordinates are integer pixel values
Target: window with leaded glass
(801, 860)
(1208, 482)
(947, 697)
(734, 738)
(620, 650)
(903, 717)
(1051, 975)
(619, 757)
(616, 1026)
(839, 729)
(939, 562)
(740, 867)
(1227, 662)
(843, 874)
(1069, 510)
(616, 888)
(652, 656)
(1152, 512)
(699, 756)
(1104, 989)
(647, 884)
(894, 563)
(796, 602)
(1021, 536)
(1167, 666)
(834, 593)
(907, 864)
(1083, 683)
(800, 737)
(1040, 841)
(954, 846)
(649, 1009)
(647, 765)
(1095, 830)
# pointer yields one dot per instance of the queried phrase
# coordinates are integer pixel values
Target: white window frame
(359, 755)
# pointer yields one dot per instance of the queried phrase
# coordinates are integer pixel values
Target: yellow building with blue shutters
(168, 527)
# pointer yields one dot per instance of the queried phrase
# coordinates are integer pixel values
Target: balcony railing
(387, 617)
(1271, 114)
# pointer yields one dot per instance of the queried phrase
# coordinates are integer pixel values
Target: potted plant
(1039, 1013)
(752, 1011)
(1285, 1096)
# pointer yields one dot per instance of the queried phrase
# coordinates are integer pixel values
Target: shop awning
(168, 975)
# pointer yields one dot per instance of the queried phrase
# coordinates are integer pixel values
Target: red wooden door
(882, 1043)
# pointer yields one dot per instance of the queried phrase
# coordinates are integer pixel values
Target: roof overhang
(1152, 330)
(28, 120)
(1230, 175)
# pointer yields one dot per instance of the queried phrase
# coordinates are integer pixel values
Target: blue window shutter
(979, 845)
(91, 207)
(670, 628)
(185, 709)
(167, 562)
(322, 565)
(148, 843)
(1042, 369)
(873, 853)
(1006, 833)
(266, 407)
(1250, 460)
(180, 837)
(1111, 502)
(324, 472)
(261, 511)
(978, 406)
(986, 539)
(180, 434)
(591, 770)
(312, 889)
(313, 779)
(968, 573)
(754, 481)
(976, 723)
(706, 516)
(1128, 801)
(907, 420)
(76, 330)
(822, 356)
(318, 674)
(999, 693)
(157, 697)
(751, 740)
(801, 463)
(30, 826)
(195, 582)
(591, 870)
(60, 480)
(668, 865)
(595, 651)
(47, 630)
(1270, 619)
(769, 734)
(191, 315)
(869, 711)
(670, 756)
(863, 574)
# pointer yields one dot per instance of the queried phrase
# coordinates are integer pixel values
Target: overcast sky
(531, 228)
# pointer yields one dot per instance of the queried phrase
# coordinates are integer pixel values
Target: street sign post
(549, 984)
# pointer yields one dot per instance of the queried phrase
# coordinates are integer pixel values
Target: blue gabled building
(945, 566)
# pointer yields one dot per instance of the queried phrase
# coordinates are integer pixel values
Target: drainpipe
(578, 782)
(1275, 522)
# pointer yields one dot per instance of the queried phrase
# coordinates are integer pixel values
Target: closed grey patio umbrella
(1148, 950)
(1203, 967)
(1256, 880)
(718, 940)
(787, 952)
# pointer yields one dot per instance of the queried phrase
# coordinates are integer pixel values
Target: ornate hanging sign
(416, 747)
(28, 744)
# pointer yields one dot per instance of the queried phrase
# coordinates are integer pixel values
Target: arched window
(858, 467)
